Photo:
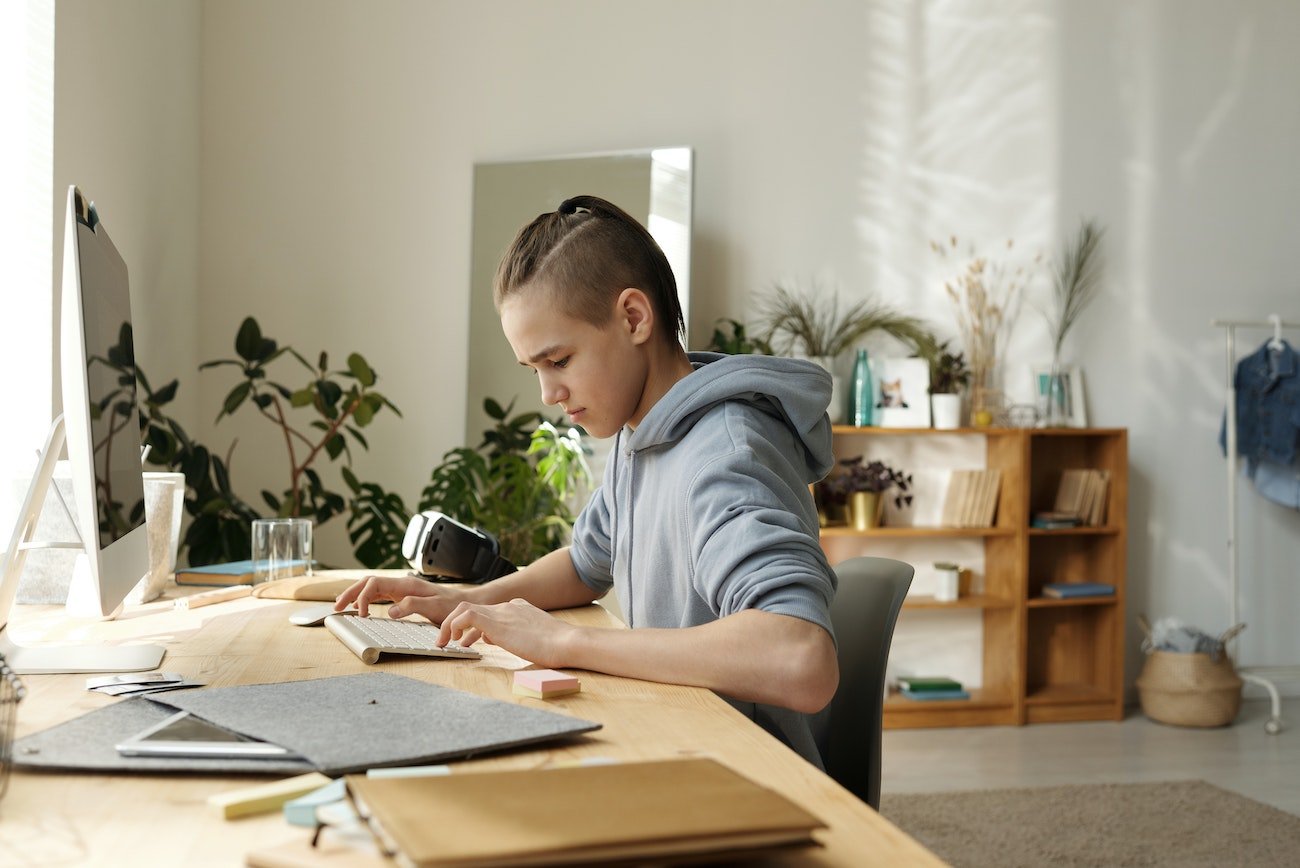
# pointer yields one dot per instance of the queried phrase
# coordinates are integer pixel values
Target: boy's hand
(517, 626)
(433, 599)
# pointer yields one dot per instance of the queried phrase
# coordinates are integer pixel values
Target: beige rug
(1181, 823)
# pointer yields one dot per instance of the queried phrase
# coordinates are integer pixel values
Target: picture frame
(1074, 408)
(900, 391)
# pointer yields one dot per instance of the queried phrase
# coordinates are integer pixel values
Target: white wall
(126, 131)
(833, 139)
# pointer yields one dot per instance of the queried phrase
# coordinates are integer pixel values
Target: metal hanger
(1276, 343)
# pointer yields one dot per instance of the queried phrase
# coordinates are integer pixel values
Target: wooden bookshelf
(1044, 659)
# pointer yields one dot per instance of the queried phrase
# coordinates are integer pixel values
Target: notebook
(583, 814)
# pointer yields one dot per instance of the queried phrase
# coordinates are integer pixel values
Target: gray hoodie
(704, 510)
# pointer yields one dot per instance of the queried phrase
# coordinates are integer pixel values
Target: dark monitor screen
(110, 377)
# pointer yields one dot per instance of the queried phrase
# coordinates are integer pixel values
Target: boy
(703, 524)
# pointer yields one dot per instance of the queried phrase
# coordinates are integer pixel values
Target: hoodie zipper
(630, 455)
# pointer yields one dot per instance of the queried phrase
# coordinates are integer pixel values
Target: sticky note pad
(265, 797)
(544, 683)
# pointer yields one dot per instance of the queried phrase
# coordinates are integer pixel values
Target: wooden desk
(97, 819)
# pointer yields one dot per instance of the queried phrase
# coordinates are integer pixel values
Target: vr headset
(439, 548)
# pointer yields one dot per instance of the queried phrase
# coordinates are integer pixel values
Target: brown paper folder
(602, 813)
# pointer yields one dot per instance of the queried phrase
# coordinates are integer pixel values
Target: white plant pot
(946, 410)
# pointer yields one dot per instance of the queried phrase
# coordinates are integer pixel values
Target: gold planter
(864, 509)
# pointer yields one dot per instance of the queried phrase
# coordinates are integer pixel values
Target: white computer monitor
(103, 439)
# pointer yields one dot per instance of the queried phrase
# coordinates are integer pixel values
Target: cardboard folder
(342, 724)
(603, 813)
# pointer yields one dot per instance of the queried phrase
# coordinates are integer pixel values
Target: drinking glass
(281, 548)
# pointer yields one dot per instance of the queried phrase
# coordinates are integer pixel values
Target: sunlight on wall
(26, 250)
(962, 121)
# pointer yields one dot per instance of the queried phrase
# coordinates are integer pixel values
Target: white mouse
(314, 616)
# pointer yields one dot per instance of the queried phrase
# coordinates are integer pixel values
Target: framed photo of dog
(902, 393)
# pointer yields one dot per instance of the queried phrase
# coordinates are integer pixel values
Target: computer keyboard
(369, 637)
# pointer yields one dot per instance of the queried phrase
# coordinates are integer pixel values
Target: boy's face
(597, 374)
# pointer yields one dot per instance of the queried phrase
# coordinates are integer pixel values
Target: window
(26, 241)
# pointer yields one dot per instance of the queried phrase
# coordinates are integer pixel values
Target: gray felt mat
(341, 725)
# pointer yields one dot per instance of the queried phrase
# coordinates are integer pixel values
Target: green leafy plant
(516, 484)
(816, 326)
(861, 475)
(318, 418)
(949, 373)
(734, 341)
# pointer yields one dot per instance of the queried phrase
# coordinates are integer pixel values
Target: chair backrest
(870, 593)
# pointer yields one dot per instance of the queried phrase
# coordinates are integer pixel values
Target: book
(667, 809)
(917, 684)
(232, 573)
(1054, 520)
(1070, 590)
(935, 695)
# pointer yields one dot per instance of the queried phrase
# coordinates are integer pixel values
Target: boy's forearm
(751, 656)
(550, 582)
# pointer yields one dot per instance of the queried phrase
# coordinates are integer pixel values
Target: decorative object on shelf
(734, 341)
(1060, 397)
(1076, 279)
(813, 326)
(987, 295)
(949, 376)
(901, 393)
(862, 485)
(1021, 416)
(947, 581)
(862, 397)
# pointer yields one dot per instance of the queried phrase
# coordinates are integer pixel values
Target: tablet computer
(184, 735)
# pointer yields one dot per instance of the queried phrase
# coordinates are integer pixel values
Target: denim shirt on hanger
(1268, 406)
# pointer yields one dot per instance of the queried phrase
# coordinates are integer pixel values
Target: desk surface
(66, 819)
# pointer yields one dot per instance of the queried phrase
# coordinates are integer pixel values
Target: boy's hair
(585, 253)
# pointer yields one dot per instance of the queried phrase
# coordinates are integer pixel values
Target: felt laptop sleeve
(340, 725)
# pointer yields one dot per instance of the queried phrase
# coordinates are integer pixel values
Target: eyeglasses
(11, 693)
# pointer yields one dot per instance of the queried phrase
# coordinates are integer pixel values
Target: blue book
(233, 573)
(930, 695)
(1070, 590)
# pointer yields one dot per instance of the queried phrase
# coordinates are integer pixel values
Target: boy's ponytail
(586, 252)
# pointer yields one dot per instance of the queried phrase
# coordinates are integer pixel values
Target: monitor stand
(49, 659)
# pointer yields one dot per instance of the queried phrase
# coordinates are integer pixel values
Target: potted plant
(814, 326)
(949, 375)
(862, 486)
(736, 342)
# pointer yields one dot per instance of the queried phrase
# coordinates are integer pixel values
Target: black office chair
(871, 591)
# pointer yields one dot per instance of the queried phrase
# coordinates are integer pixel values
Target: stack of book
(1082, 493)
(931, 688)
(972, 498)
(1053, 520)
(1071, 590)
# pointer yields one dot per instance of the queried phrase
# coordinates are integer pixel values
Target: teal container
(862, 393)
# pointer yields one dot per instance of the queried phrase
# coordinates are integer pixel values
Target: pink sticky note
(545, 680)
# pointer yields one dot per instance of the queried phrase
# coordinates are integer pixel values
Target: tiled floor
(1241, 758)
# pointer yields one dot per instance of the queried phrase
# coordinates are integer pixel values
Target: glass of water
(281, 548)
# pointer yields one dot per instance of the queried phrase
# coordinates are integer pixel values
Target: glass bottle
(862, 396)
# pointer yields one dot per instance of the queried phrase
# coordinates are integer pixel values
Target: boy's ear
(636, 314)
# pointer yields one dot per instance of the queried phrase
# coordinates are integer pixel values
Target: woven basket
(1190, 689)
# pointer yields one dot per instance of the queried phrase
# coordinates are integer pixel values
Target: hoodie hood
(790, 389)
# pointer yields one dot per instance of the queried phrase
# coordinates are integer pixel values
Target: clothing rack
(1263, 676)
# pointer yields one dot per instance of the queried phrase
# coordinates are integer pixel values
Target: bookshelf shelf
(1067, 694)
(973, 601)
(919, 532)
(1044, 659)
(1052, 602)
